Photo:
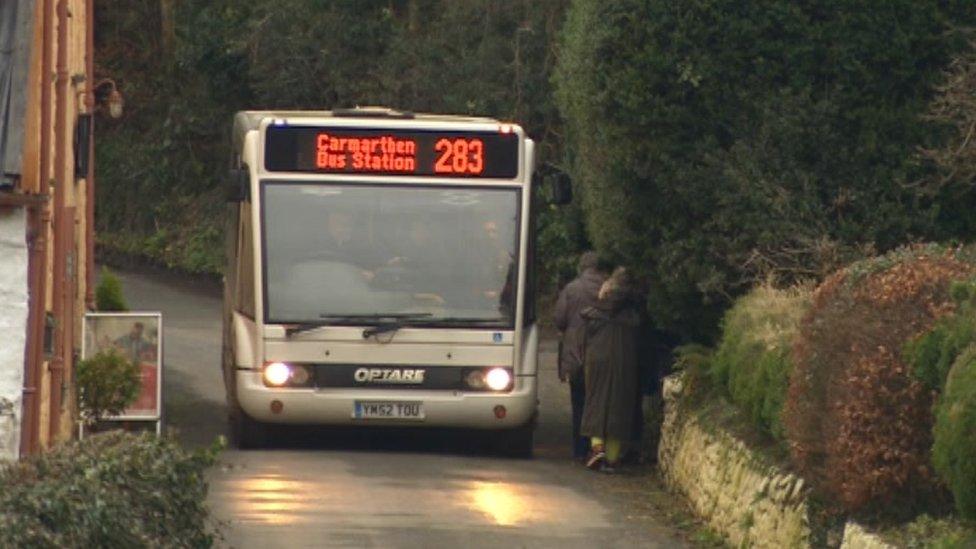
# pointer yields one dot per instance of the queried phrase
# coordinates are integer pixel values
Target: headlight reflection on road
(271, 499)
(506, 504)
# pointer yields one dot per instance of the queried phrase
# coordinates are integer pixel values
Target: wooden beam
(21, 200)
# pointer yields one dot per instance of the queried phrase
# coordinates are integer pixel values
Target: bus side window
(529, 291)
(245, 278)
(232, 247)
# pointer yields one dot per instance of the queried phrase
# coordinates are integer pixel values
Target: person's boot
(598, 457)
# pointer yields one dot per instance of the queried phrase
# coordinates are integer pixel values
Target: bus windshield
(441, 255)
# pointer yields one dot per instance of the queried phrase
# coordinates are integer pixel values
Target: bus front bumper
(339, 406)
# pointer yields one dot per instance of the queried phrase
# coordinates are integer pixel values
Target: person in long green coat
(611, 370)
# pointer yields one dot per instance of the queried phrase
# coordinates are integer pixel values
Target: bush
(111, 490)
(933, 354)
(954, 449)
(108, 293)
(944, 359)
(107, 383)
(857, 421)
(753, 359)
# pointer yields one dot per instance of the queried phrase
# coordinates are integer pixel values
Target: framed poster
(138, 336)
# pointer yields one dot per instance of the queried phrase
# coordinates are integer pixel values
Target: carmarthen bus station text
(386, 153)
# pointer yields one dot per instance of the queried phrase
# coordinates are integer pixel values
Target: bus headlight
(498, 379)
(276, 374)
(489, 379)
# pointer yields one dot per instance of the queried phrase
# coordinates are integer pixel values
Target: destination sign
(391, 152)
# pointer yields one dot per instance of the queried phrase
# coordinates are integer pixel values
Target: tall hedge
(717, 141)
(858, 422)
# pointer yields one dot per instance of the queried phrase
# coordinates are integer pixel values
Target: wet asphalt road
(321, 488)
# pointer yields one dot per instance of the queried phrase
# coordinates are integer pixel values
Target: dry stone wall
(749, 502)
(856, 537)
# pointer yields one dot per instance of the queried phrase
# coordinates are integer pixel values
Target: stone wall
(13, 326)
(856, 537)
(751, 504)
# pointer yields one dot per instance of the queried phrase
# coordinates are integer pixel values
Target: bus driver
(342, 244)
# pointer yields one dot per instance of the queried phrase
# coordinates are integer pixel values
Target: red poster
(145, 404)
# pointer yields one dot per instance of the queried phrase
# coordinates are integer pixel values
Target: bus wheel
(248, 433)
(518, 442)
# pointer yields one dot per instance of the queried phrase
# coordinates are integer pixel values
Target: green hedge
(752, 360)
(944, 359)
(933, 354)
(111, 490)
(954, 449)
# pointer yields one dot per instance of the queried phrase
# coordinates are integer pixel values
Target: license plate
(388, 410)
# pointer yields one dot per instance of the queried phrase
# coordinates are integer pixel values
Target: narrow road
(320, 488)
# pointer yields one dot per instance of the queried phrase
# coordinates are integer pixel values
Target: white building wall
(13, 326)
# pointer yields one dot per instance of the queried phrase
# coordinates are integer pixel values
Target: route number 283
(462, 156)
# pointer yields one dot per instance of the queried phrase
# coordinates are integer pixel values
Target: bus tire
(517, 443)
(248, 433)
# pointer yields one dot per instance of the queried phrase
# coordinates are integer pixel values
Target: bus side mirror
(238, 185)
(561, 189)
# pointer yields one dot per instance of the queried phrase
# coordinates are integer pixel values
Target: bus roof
(245, 121)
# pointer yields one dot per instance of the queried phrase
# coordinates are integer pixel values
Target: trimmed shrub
(753, 359)
(932, 354)
(954, 449)
(111, 490)
(857, 421)
(107, 383)
(944, 359)
(108, 293)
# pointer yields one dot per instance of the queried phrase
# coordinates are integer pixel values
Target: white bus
(379, 273)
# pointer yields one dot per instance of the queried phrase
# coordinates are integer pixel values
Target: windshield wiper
(394, 321)
(304, 327)
(335, 320)
(399, 321)
(493, 322)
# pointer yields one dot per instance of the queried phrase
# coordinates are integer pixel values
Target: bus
(380, 273)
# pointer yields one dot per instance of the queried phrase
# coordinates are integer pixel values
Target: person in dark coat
(611, 370)
(655, 348)
(655, 355)
(574, 298)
